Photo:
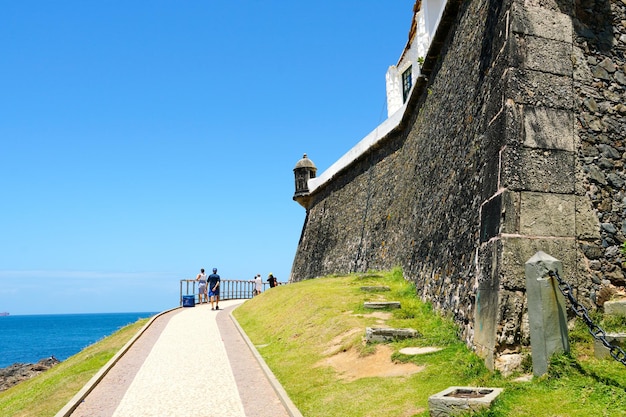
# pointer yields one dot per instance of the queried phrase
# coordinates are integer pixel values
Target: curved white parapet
(424, 25)
(359, 149)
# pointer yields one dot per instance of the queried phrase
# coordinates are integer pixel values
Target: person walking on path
(258, 284)
(271, 279)
(214, 289)
(202, 295)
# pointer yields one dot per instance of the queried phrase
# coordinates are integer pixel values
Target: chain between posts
(596, 331)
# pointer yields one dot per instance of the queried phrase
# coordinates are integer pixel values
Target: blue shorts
(214, 293)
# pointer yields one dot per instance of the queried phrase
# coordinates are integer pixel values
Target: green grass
(45, 394)
(295, 327)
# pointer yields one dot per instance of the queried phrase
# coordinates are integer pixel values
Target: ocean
(29, 338)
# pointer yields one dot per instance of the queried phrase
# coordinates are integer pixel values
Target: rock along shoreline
(18, 372)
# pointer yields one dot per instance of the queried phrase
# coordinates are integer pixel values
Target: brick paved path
(190, 361)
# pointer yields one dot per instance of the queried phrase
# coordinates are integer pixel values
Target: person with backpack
(271, 279)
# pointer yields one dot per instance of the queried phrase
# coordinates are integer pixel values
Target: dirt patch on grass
(412, 411)
(338, 341)
(380, 315)
(350, 366)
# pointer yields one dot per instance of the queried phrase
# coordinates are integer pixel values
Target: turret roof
(305, 162)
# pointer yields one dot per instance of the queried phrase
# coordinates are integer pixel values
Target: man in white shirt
(258, 284)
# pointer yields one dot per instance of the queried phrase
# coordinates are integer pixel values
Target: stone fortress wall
(512, 142)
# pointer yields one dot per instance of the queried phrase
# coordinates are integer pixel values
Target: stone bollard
(547, 312)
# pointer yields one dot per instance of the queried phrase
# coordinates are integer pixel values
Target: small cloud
(9, 291)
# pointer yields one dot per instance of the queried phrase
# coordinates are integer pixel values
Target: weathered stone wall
(600, 88)
(514, 146)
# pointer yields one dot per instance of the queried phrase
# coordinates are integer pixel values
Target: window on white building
(407, 83)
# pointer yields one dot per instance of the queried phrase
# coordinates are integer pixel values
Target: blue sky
(142, 141)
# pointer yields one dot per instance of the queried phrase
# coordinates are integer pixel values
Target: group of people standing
(258, 283)
(209, 288)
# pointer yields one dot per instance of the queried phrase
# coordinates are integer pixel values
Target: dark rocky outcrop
(18, 372)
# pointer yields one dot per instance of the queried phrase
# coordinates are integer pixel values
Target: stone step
(381, 304)
(379, 288)
(615, 307)
(616, 339)
(419, 350)
(377, 334)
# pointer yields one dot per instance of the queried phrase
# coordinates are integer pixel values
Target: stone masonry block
(541, 54)
(490, 218)
(525, 169)
(540, 89)
(587, 224)
(378, 334)
(545, 214)
(488, 259)
(510, 212)
(517, 250)
(547, 128)
(541, 22)
(486, 310)
(554, 5)
(512, 311)
(582, 72)
(500, 214)
(455, 401)
(379, 305)
(497, 81)
(491, 141)
(616, 339)
(491, 175)
(616, 307)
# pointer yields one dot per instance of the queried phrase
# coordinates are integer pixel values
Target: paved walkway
(190, 361)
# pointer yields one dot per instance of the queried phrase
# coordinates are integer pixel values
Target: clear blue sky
(143, 140)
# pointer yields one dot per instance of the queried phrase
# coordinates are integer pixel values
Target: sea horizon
(72, 314)
(28, 338)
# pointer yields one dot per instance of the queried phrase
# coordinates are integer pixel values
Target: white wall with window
(425, 22)
(423, 28)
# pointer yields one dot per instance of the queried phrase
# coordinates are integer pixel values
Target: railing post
(547, 312)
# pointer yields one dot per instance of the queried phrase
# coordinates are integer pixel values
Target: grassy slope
(293, 327)
(296, 326)
(47, 393)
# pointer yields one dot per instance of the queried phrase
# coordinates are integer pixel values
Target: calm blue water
(27, 339)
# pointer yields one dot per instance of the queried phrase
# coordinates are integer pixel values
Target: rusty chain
(596, 331)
